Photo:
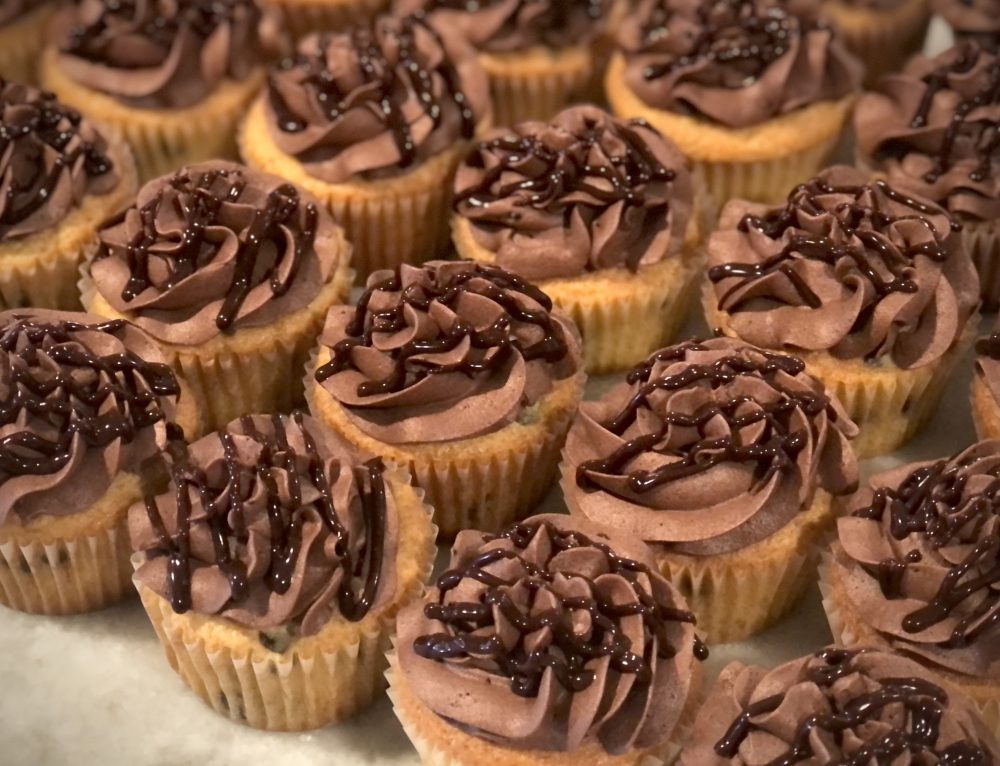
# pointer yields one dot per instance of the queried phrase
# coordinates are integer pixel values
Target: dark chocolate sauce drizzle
(72, 402)
(498, 285)
(224, 514)
(200, 206)
(989, 346)
(774, 452)
(569, 653)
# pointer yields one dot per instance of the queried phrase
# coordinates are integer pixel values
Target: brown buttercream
(616, 670)
(213, 248)
(848, 267)
(376, 100)
(979, 19)
(583, 192)
(708, 447)
(82, 400)
(445, 351)
(735, 62)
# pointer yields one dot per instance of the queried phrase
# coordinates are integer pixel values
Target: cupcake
(724, 459)
(463, 373)
(232, 272)
(870, 287)
(59, 179)
(932, 130)
(373, 122)
(837, 706)
(882, 33)
(553, 642)
(597, 213)
(977, 20)
(914, 568)
(173, 76)
(540, 56)
(22, 35)
(755, 92)
(985, 395)
(273, 567)
(85, 406)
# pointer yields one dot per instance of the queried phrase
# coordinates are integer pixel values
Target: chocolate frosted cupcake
(22, 35)
(173, 76)
(914, 568)
(539, 54)
(869, 286)
(723, 458)
(373, 122)
(755, 92)
(553, 642)
(59, 179)
(85, 405)
(597, 212)
(837, 706)
(985, 395)
(882, 33)
(932, 130)
(273, 567)
(461, 371)
(976, 20)
(232, 271)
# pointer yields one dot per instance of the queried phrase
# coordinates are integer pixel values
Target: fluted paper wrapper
(985, 409)
(982, 241)
(303, 17)
(20, 42)
(882, 38)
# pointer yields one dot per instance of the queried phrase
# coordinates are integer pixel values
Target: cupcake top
(933, 128)
(988, 361)
(50, 159)
(445, 351)
(376, 100)
(11, 10)
(552, 635)
(734, 62)
(506, 26)
(708, 447)
(920, 550)
(272, 522)
(854, 268)
(585, 191)
(213, 248)
(837, 706)
(972, 17)
(81, 400)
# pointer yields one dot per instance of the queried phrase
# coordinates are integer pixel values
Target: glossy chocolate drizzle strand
(54, 381)
(916, 731)
(388, 85)
(200, 204)
(989, 346)
(568, 653)
(774, 451)
(498, 285)
(41, 120)
(932, 503)
(223, 509)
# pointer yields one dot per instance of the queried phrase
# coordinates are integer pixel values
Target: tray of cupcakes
(509, 382)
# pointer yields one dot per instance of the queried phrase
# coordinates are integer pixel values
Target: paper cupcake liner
(985, 410)
(982, 241)
(303, 17)
(20, 42)
(882, 39)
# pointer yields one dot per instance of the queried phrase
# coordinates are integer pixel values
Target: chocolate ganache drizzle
(583, 192)
(736, 62)
(708, 447)
(838, 707)
(856, 269)
(445, 351)
(50, 159)
(81, 400)
(557, 619)
(377, 99)
(267, 521)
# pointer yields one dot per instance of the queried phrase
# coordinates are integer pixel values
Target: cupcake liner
(303, 17)
(882, 39)
(20, 41)
(985, 410)
(982, 241)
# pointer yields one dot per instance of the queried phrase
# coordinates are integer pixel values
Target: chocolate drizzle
(989, 346)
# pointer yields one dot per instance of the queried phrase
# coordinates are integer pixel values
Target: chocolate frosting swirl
(919, 555)
(708, 447)
(977, 18)
(735, 62)
(12, 10)
(933, 129)
(839, 707)
(552, 635)
(582, 192)
(852, 268)
(162, 53)
(50, 159)
(376, 100)
(272, 522)
(213, 248)
(81, 401)
(507, 26)
(446, 351)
